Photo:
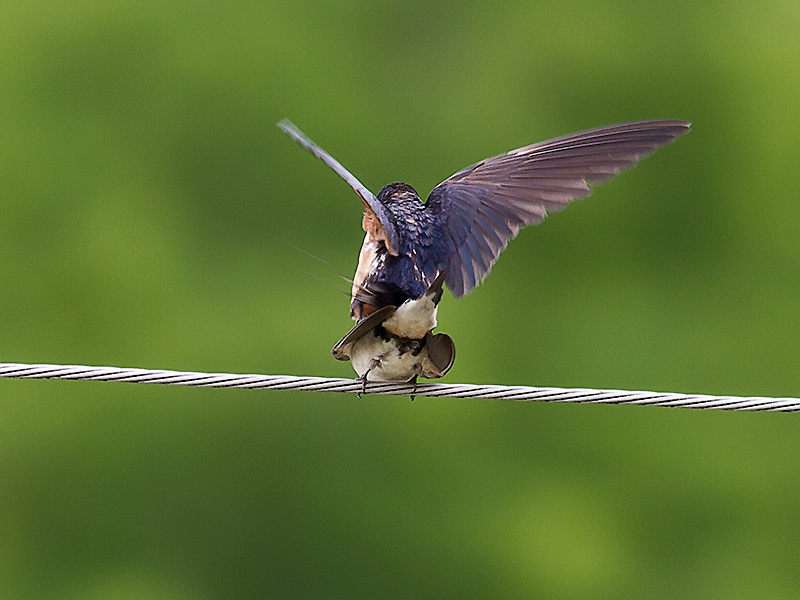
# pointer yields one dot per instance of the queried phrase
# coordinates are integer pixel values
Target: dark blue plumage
(418, 253)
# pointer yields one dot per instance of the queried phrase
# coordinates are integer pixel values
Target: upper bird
(471, 216)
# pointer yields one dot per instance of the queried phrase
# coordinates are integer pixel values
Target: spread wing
(383, 223)
(483, 207)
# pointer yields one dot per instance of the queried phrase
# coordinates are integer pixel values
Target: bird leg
(413, 380)
(363, 378)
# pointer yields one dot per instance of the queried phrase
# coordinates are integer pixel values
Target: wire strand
(431, 390)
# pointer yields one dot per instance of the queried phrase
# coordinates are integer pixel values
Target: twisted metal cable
(433, 390)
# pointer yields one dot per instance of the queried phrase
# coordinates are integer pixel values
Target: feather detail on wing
(377, 220)
(481, 208)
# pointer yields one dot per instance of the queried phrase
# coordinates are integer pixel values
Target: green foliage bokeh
(147, 201)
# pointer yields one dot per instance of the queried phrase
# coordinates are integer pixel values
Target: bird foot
(413, 380)
(363, 378)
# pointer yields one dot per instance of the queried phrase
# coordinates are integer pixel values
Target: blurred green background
(146, 201)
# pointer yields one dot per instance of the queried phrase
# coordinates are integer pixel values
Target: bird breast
(366, 258)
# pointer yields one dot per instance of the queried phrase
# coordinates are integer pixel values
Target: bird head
(397, 193)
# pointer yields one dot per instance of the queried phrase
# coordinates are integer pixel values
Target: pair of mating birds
(412, 248)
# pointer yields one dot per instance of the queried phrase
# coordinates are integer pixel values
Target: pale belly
(385, 361)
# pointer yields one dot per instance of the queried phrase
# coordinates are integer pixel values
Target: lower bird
(412, 248)
(395, 343)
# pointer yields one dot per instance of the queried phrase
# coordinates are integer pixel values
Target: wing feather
(481, 208)
(371, 204)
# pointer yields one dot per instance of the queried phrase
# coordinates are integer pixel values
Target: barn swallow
(411, 248)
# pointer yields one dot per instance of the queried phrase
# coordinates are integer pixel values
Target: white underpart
(382, 361)
(369, 250)
(413, 319)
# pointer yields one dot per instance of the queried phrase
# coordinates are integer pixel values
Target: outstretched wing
(371, 204)
(481, 208)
